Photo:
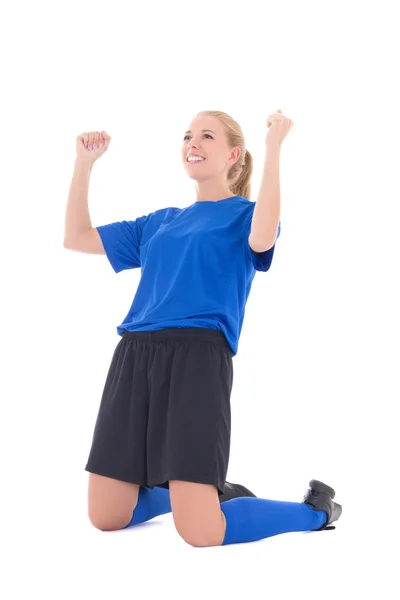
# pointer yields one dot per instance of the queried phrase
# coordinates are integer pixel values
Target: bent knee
(110, 502)
(109, 522)
(197, 536)
(200, 540)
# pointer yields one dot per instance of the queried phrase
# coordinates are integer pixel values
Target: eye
(186, 136)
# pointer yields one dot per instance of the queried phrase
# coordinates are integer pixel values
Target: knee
(197, 536)
(196, 512)
(108, 522)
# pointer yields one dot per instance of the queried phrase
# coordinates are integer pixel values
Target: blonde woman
(162, 435)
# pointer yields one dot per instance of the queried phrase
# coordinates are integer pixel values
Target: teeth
(194, 158)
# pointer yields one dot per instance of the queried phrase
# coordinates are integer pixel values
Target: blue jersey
(197, 267)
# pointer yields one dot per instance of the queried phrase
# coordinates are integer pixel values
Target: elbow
(260, 245)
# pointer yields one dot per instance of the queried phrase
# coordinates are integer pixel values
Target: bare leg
(110, 502)
(197, 514)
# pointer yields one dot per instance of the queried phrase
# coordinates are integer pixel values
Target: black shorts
(165, 410)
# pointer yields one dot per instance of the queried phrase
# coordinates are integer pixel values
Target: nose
(191, 149)
(192, 143)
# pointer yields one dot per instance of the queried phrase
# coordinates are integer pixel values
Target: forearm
(267, 210)
(77, 217)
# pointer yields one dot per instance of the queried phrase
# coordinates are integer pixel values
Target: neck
(209, 191)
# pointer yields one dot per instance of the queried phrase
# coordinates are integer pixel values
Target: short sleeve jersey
(197, 266)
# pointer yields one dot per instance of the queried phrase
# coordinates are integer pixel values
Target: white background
(316, 379)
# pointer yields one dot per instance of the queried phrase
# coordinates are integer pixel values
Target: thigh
(111, 502)
(118, 448)
(197, 513)
(190, 414)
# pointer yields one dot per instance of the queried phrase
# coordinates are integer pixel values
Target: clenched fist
(90, 146)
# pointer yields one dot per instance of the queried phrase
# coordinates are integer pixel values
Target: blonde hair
(239, 176)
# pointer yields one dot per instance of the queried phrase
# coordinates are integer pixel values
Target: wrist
(273, 146)
(83, 164)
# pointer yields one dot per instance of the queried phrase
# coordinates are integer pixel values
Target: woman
(162, 436)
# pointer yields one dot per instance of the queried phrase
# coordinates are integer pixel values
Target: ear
(236, 152)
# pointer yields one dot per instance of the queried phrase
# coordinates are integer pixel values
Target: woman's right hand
(99, 141)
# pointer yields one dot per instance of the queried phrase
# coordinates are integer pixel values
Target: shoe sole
(337, 511)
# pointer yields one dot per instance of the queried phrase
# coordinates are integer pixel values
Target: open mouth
(195, 162)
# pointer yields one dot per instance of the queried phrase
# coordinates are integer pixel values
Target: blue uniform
(197, 266)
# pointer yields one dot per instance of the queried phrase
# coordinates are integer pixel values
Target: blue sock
(251, 519)
(151, 503)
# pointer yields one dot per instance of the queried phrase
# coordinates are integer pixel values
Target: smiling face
(206, 138)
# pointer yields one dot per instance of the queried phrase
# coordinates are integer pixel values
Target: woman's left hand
(279, 127)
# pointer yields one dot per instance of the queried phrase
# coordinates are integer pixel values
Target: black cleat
(320, 497)
(235, 490)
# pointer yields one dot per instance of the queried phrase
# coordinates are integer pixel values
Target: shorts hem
(103, 473)
(165, 482)
(162, 482)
